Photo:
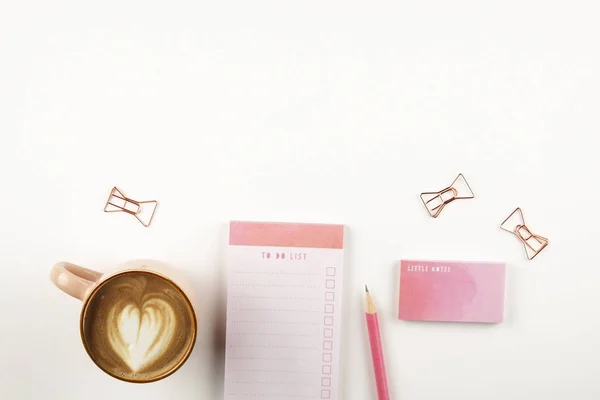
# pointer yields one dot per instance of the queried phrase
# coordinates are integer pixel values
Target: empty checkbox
(330, 271)
(325, 381)
(325, 394)
(327, 357)
(329, 308)
(330, 284)
(328, 345)
(328, 321)
(328, 333)
(326, 369)
(329, 296)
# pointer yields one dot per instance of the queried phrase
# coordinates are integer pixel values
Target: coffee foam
(138, 326)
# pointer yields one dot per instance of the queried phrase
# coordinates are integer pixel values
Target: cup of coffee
(136, 323)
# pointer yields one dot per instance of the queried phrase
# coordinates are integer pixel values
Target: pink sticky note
(452, 291)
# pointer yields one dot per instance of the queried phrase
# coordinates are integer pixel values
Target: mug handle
(73, 279)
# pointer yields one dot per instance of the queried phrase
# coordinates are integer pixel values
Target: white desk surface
(308, 112)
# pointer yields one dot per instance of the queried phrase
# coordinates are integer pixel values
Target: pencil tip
(366, 289)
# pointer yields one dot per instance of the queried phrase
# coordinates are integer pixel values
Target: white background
(312, 112)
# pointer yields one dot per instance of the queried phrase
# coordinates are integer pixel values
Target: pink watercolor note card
(451, 291)
(284, 311)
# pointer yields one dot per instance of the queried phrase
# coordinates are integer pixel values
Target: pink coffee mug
(137, 322)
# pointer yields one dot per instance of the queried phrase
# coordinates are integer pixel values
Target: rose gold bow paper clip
(117, 202)
(533, 244)
(435, 202)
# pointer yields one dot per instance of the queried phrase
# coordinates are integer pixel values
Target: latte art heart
(138, 326)
(141, 335)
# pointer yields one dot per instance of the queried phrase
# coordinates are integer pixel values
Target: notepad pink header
(280, 234)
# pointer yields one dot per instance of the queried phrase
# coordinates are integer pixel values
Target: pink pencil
(376, 348)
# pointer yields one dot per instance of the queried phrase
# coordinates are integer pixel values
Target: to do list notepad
(283, 311)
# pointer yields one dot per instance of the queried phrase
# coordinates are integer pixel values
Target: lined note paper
(283, 311)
